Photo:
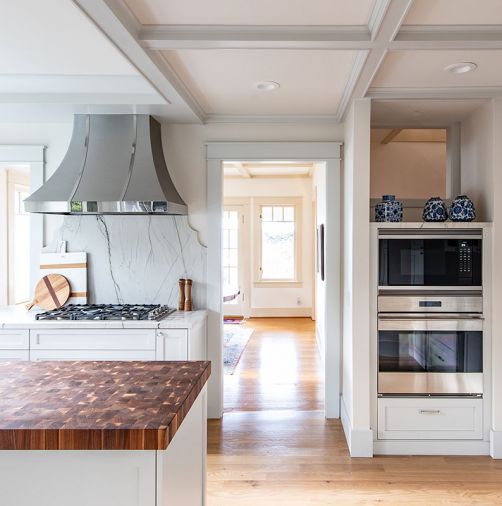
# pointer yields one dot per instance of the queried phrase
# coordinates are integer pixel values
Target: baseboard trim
(414, 447)
(496, 444)
(359, 441)
(280, 312)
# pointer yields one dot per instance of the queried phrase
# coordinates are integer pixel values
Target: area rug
(234, 321)
(235, 340)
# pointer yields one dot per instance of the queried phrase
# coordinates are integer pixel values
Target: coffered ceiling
(200, 61)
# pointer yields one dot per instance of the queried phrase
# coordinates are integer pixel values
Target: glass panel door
(232, 261)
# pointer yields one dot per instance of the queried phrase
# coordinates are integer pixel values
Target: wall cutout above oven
(430, 259)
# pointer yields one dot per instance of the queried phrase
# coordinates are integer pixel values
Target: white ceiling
(34, 40)
(199, 60)
(455, 12)
(421, 113)
(266, 169)
(223, 81)
(426, 69)
(252, 12)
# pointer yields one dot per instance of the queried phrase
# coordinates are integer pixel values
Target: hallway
(279, 369)
(274, 446)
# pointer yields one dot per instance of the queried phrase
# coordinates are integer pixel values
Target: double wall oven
(430, 312)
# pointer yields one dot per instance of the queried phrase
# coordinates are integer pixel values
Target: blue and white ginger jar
(389, 210)
(435, 210)
(462, 209)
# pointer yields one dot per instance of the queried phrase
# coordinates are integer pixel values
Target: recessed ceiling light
(461, 67)
(267, 85)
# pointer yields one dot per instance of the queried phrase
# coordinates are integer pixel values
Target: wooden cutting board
(51, 292)
(73, 266)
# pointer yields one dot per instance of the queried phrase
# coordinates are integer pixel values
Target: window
(230, 251)
(19, 238)
(278, 241)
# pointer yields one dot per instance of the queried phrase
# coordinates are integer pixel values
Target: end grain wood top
(96, 405)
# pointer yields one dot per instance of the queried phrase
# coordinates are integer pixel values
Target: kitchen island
(103, 433)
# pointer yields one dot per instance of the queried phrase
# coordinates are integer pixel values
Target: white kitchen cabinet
(182, 344)
(92, 355)
(14, 339)
(92, 339)
(14, 355)
(172, 344)
(429, 418)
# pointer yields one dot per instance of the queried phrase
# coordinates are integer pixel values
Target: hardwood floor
(279, 369)
(274, 447)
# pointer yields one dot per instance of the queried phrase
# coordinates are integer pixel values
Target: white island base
(172, 477)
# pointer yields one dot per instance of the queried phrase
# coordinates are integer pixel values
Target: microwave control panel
(465, 257)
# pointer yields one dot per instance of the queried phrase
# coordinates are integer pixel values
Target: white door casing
(330, 154)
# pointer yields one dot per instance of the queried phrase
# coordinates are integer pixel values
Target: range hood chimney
(114, 165)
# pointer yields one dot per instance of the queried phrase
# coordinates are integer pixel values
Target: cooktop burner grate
(107, 312)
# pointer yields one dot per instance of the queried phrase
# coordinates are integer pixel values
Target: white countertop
(17, 317)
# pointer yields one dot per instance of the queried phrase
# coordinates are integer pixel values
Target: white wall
(477, 142)
(409, 170)
(185, 154)
(282, 297)
(356, 275)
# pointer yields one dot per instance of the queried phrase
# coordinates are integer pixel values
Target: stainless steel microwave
(450, 259)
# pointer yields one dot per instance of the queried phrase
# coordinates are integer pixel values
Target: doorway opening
(270, 267)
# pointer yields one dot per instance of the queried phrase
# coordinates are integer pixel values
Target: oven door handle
(430, 324)
(430, 316)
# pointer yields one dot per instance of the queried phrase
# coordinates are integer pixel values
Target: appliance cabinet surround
(406, 421)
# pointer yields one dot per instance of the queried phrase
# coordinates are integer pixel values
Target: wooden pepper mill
(181, 302)
(188, 295)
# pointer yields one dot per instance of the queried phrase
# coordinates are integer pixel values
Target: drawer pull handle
(429, 411)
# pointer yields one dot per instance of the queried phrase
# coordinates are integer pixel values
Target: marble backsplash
(136, 259)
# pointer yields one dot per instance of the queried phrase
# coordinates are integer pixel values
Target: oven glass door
(433, 355)
(429, 262)
(430, 351)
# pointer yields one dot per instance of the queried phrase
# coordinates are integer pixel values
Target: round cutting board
(51, 292)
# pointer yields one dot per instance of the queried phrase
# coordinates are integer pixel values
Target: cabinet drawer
(37, 355)
(400, 418)
(92, 339)
(14, 339)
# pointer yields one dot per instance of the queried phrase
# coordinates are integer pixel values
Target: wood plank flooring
(274, 447)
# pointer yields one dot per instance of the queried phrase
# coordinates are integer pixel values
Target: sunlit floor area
(274, 446)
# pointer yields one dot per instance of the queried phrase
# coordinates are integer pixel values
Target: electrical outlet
(298, 301)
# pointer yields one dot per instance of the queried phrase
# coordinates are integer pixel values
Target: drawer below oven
(433, 383)
(425, 418)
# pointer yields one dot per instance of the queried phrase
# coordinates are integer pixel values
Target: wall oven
(428, 259)
(430, 354)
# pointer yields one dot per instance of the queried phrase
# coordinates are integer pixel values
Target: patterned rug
(235, 340)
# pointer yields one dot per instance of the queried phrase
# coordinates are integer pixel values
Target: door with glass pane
(232, 258)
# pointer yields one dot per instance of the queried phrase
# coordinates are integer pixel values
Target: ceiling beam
(447, 37)
(449, 93)
(165, 37)
(243, 171)
(390, 136)
(392, 15)
(118, 23)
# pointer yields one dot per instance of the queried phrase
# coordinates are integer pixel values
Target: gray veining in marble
(136, 259)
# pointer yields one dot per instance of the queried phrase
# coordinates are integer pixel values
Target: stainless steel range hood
(114, 165)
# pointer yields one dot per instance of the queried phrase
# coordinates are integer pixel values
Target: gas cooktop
(107, 312)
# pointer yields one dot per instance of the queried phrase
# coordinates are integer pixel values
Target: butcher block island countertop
(96, 405)
(103, 433)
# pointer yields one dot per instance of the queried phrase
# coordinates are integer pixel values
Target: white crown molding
(377, 14)
(390, 24)
(350, 84)
(116, 21)
(457, 92)
(272, 118)
(165, 37)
